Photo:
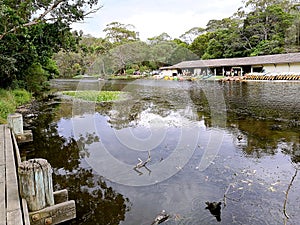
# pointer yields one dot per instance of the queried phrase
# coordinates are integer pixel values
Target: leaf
(272, 189)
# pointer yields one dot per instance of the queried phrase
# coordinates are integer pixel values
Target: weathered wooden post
(35, 178)
(15, 122)
(45, 206)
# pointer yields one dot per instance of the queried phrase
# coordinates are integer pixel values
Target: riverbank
(10, 100)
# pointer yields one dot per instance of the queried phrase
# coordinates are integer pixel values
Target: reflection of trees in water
(292, 149)
(263, 100)
(255, 135)
(259, 138)
(260, 127)
(96, 203)
(201, 103)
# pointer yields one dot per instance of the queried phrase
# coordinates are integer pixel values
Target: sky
(154, 17)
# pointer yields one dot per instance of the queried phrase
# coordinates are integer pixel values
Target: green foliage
(125, 77)
(30, 33)
(214, 49)
(119, 33)
(268, 47)
(36, 78)
(264, 29)
(199, 45)
(164, 37)
(51, 68)
(6, 108)
(190, 35)
(180, 54)
(130, 71)
(21, 96)
(10, 100)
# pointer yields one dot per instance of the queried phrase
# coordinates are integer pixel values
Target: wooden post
(15, 122)
(35, 178)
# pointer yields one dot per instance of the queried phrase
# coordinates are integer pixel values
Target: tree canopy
(31, 32)
(261, 27)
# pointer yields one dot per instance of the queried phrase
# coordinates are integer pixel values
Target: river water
(234, 143)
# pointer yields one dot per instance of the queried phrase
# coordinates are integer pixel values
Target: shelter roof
(253, 60)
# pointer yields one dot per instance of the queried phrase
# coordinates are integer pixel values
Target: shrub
(130, 71)
(10, 100)
(6, 107)
(21, 96)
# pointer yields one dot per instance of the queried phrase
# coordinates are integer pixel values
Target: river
(234, 143)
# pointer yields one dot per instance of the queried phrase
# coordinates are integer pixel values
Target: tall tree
(31, 31)
(199, 45)
(190, 35)
(163, 37)
(119, 33)
(292, 39)
(262, 5)
(123, 57)
(267, 27)
(261, 27)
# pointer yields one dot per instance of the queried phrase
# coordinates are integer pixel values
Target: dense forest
(37, 42)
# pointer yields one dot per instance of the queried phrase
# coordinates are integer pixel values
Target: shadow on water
(258, 153)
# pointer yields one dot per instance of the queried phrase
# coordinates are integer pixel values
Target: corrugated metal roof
(254, 60)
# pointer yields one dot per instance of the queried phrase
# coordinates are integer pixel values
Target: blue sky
(153, 17)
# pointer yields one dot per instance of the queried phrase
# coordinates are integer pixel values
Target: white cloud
(152, 18)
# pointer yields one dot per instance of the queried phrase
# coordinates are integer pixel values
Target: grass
(95, 96)
(10, 100)
(125, 77)
(84, 76)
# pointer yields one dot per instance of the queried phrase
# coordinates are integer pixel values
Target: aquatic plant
(95, 96)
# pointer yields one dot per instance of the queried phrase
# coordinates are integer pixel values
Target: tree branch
(42, 17)
(143, 164)
(287, 193)
(35, 21)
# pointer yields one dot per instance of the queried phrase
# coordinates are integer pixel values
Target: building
(287, 63)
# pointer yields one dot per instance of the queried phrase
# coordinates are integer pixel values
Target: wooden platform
(13, 210)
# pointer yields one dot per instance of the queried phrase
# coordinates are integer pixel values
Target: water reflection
(259, 138)
(94, 198)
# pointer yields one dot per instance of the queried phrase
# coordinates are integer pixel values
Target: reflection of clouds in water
(179, 118)
(168, 109)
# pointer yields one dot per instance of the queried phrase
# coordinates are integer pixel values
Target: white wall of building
(278, 68)
(269, 68)
(295, 67)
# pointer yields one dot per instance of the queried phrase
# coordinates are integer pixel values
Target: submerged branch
(287, 193)
(225, 197)
(143, 164)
